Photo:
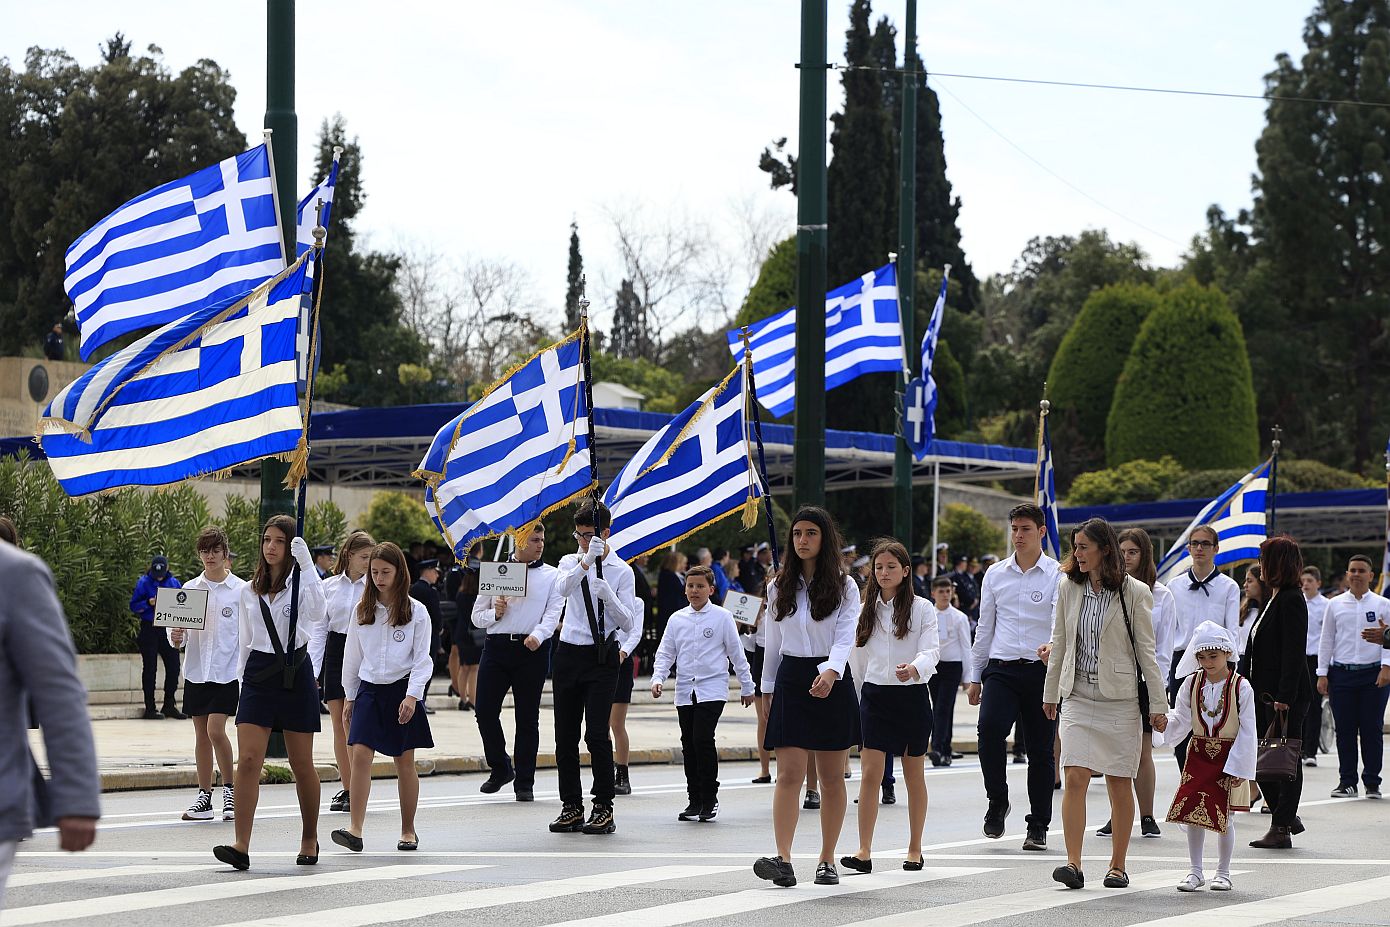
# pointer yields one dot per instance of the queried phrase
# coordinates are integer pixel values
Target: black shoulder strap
(596, 624)
(270, 628)
(287, 666)
(1142, 685)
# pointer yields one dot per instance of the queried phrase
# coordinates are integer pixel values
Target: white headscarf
(1208, 636)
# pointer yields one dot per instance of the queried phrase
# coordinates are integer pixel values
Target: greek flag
(919, 399)
(1045, 491)
(1238, 515)
(306, 216)
(210, 237)
(863, 334)
(690, 474)
(515, 454)
(208, 392)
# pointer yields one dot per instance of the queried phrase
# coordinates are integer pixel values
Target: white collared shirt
(1219, 604)
(878, 659)
(380, 654)
(1317, 606)
(211, 655)
(800, 635)
(953, 632)
(311, 630)
(537, 613)
(341, 595)
(701, 645)
(1165, 628)
(1342, 623)
(617, 592)
(1015, 613)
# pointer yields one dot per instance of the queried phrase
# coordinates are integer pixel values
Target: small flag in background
(693, 472)
(207, 238)
(1238, 515)
(515, 454)
(919, 400)
(206, 393)
(1045, 489)
(306, 217)
(863, 334)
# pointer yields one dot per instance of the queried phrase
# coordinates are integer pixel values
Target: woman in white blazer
(1102, 653)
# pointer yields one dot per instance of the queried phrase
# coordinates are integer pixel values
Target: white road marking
(1289, 907)
(115, 872)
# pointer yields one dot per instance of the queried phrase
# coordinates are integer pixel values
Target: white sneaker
(228, 804)
(1191, 883)
(200, 810)
(1221, 884)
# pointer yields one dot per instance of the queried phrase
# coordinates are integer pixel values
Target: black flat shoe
(405, 846)
(1069, 876)
(763, 780)
(1116, 878)
(913, 865)
(304, 859)
(344, 839)
(232, 857)
(857, 864)
(775, 870)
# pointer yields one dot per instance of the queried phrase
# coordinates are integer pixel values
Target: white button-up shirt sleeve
(484, 615)
(1230, 608)
(928, 637)
(352, 661)
(666, 650)
(630, 643)
(423, 663)
(734, 648)
(1165, 628)
(772, 649)
(846, 619)
(550, 615)
(984, 628)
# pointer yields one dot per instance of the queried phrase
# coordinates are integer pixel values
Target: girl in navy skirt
(896, 651)
(278, 688)
(385, 668)
(812, 611)
(342, 591)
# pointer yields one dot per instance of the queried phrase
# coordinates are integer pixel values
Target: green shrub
(1135, 481)
(1185, 390)
(968, 531)
(399, 518)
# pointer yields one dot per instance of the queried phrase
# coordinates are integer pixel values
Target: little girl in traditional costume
(1217, 707)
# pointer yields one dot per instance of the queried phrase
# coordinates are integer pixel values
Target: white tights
(1225, 844)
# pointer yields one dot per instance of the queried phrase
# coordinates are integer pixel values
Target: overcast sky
(486, 127)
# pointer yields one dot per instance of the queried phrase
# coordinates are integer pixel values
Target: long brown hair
(396, 599)
(1112, 574)
(902, 599)
(1246, 602)
(267, 581)
(827, 586)
(354, 542)
(1281, 562)
(1145, 572)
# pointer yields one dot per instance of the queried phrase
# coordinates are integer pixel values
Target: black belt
(513, 638)
(1013, 662)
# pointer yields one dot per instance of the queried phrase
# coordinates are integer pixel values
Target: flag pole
(762, 459)
(586, 362)
(1274, 480)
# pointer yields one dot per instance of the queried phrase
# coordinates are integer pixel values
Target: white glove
(601, 589)
(595, 551)
(300, 551)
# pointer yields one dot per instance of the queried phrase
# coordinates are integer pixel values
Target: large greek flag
(920, 396)
(1045, 491)
(693, 472)
(1238, 515)
(211, 391)
(863, 334)
(515, 454)
(209, 237)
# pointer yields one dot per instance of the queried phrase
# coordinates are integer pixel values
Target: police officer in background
(323, 560)
(154, 643)
(425, 591)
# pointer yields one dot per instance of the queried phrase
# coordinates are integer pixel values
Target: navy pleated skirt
(896, 719)
(270, 704)
(799, 719)
(332, 675)
(376, 720)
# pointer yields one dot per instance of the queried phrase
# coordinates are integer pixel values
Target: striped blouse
(1093, 608)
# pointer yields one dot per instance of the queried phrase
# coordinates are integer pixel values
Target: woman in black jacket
(1279, 675)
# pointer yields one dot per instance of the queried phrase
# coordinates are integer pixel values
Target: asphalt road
(489, 860)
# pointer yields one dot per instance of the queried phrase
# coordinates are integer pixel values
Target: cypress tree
(574, 290)
(629, 335)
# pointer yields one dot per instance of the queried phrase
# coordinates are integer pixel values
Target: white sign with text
(744, 606)
(499, 578)
(181, 608)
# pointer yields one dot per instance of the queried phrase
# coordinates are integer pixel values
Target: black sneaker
(889, 798)
(622, 785)
(1344, 791)
(709, 810)
(812, 801)
(340, 801)
(525, 795)
(570, 821)
(1148, 827)
(775, 870)
(1105, 830)
(994, 819)
(600, 820)
(171, 711)
(935, 757)
(1036, 839)
(201, 809)
(691, 812)
(495, 782)
(228, 803)
(1020, 759)
(826, 875)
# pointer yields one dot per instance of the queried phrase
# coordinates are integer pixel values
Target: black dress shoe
(812, 801)
(407, 846)
(344, 839)
(913, 865)
(857, 864)
(304, 859)
(495, 782)
(171, 710)
(934, 757)
(889, 798)
(1297, 827)
(525, 795)
(1116, 878)
(1069, 876)
(340, 801)
(826, 875)
(151, 714)
(763, 780)
(775, 870)
(1276, 839)
(232, 857)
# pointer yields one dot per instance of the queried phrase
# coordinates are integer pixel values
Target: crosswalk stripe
(233, 887)
(1289, 907)
(980, 910)
(405, 909)
(115, 872)
(757, 899)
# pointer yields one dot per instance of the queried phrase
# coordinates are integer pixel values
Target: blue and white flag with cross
(920, 397)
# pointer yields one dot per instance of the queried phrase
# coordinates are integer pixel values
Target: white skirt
(1103, 735)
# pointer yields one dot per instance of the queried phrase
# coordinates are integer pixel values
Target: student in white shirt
(599, 591)
(342, 591)
(814, 716)
(755, 645)
(701, 641)
(515, 658)
(1311, 581)
(622, 694)
(895, 653)
(385, 669)
(278, 688)
(211, 657)
(953, 630)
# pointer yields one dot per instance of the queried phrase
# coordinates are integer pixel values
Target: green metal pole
(808, 471)
(281, 119)
(907, 269)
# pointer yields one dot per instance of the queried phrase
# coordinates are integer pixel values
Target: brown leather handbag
(1279, 753)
